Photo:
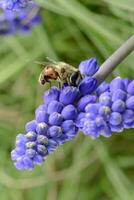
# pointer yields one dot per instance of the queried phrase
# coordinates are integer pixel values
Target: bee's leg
(50, 84)
(68, 81)
(59, 84)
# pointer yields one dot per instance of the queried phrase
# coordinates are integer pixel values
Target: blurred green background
(83, 169)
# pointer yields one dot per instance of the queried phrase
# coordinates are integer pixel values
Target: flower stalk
(114, 60)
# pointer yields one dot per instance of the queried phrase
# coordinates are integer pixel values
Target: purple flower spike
(14, 5)
(71, 109)
(89, 67)
(22, 21)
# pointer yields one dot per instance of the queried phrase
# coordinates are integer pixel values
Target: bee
(59, 71)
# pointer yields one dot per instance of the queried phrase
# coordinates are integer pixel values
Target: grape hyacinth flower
(12, 22)
(113, 110)
(14, 4)
(95, 111)
(54, 124)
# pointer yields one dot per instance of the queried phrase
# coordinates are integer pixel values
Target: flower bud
(68, 95)
(80, 120)
(28, 163)
(89, 67)
(128, 116)
(42, 128)
(105, 99)
(14, 155)
(41, 139)
(117, 83)
(93, 108)
(52, 94)
(42, 150)
(54, 106)
(85, 100)
(104, 111)
(52, 145)
(55, 131)
(55, 119)
(87, 85)
(30, 126)
(41, 116)
(69, 112)
(102, 88)
(115, 118)
(130, 103)
(38, 159)
(30, 145)
(119, 94)
(126, 81)
(30, 153)
(68, 125)
(118, 106)
(130, 88)
(31, 136)
(116, 128)
(90, 129)
(42, 107)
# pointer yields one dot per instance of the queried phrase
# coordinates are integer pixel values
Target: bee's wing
(41, 63)
(51, 60)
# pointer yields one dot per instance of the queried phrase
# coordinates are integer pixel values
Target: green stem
(114, 60)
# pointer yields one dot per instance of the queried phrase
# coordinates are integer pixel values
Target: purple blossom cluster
(96, 111)
(113, 110)
(54, 122)
(53, 125)
(14, 4)
(12, 22)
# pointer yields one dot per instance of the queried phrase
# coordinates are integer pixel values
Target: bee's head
(43, 79)
(50, 73)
